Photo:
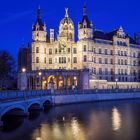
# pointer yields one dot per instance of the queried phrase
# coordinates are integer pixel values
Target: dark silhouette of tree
(7, 68)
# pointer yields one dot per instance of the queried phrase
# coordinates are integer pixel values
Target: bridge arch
(16, 108)
(47, 104)
(34, 105)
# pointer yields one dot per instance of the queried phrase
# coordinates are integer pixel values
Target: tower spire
(67, 14)
(39, 12)
(85, 10)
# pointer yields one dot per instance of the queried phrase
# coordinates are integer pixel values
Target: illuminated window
(68, 50)
(74, 50)
(45, 60)
(119, 61)
(106, 61)
(100, 60)
(37, 49)
(55, 51)
(50, 51)
(85, 48)
(106, 52)
(50, 60)
(45, 50)
(37, 59)
(100, 70)
(85, 58)
(62, 60)
(75, 60)
(106, 71)
(100, 51)
(125, 62)
(118, 52)
(111, 61)
(94, 70)
(94, 50)
(112, 72)
(111, 52)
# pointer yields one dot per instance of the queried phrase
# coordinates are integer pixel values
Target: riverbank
(84, 98)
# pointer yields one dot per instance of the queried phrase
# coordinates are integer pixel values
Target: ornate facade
(113, 56)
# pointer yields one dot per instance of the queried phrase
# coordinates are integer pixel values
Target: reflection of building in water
(110, 57)
(62, 130)
(116, 119)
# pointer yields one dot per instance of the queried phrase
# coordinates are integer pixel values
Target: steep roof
(98, 34)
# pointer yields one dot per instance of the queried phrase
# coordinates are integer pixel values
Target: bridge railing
(17, 95)
(95, 91)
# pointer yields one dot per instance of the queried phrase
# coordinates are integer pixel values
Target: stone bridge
(20, 103)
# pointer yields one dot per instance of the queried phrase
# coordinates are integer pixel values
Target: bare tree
(7, 69)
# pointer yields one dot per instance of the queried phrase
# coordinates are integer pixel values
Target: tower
(38, 46)
(66, 29)
(85, 28)
(39, 29)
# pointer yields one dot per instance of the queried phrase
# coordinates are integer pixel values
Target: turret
(39, 29)
(85, 28)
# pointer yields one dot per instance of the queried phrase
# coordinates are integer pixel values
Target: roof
(98, 34)
(85, 18)
(39, 21)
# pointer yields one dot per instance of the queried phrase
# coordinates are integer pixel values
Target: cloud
(14, 17)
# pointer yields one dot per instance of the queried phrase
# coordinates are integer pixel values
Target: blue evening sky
(17, 16)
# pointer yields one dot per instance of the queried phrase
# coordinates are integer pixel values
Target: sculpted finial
(66, 15)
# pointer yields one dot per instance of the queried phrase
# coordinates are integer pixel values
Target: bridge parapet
(17, 95)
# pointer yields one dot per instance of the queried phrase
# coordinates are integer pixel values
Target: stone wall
(81, 98)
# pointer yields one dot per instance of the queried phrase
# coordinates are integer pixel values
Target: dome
(66, 20)
(66, 28)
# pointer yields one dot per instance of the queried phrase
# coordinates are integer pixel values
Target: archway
(52, 79)
(12, 119)
(44, 83)
(68, 82)
(75, 81)
(47, 105)
(60, 82)
(34, 111)
(34, 106)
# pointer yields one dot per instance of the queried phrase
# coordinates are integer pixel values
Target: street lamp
(116, 83)
(39, 73)
(23, 70)
(40, 80)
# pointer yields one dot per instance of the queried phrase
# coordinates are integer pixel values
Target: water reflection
(94, 121)
(60, 130)
(116, 119)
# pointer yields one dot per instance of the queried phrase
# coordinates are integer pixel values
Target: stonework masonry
(113, 57)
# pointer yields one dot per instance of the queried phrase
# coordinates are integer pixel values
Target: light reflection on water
(93, 121)
(116, 119)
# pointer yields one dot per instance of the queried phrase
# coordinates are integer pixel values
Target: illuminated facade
(113, 56)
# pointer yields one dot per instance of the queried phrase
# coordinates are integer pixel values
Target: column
(40, 82)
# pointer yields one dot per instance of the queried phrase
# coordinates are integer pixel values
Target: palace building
(113, 58)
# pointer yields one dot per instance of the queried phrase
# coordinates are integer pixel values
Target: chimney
(51, 35)
(136, 37)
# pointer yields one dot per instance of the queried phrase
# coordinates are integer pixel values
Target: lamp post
(40, 74)
(23, 70)
(116, 83)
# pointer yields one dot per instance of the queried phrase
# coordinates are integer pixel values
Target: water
(117, 120)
